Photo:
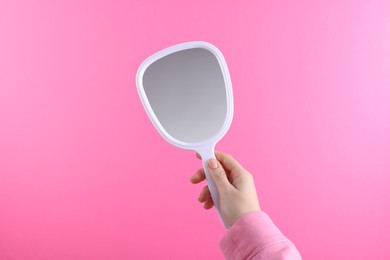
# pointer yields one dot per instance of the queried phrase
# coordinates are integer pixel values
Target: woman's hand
(236, 188)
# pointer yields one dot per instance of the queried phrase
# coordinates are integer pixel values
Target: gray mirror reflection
(187, 93)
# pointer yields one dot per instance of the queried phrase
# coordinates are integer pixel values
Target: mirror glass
(187, 93)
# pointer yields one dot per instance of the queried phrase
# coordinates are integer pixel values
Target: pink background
(84, 174)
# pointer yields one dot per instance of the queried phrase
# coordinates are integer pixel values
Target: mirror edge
(228, 86)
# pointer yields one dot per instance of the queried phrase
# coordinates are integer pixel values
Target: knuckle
(249, 174)
(227, 157)
(220, 173)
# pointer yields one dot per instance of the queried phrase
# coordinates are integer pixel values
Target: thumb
(218, 175)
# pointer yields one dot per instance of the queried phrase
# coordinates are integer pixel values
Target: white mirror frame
(206, 147)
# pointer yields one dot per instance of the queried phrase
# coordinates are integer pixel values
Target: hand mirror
(187, 93)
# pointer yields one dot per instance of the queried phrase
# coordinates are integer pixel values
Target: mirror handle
(212, 187)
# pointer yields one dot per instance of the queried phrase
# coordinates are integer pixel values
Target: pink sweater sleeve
(255, 236)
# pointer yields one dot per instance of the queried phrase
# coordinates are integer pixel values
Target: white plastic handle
(210, 183)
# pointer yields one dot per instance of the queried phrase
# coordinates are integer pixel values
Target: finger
(198, 176)
(218, 175)
(204, 194)
(235, 172)
(228, 162)
(208, 204)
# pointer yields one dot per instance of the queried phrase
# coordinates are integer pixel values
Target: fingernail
(213, 164)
